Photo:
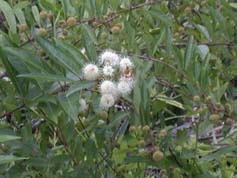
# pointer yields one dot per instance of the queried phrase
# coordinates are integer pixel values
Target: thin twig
(12, 111)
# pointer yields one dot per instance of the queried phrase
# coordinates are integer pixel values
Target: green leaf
(220, 152)
(68, 8)
(21, 5)
(205, 127)
(73, 52)
(20, 16)
(9, 15)
(188, 53)
(57, 55)
(204, 50)
(36, 14)
(234, 5)
(137, 96)
(169, 101)
(4, 138)
(89, 40)
(10, 158)
(69, 105)
(27, 57)
(12, 73)
(48, 77)
(204, 31)
(79, 86)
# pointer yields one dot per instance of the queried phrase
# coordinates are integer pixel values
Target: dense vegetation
(109, 88)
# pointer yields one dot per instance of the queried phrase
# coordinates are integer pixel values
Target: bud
(105, 17)
(203, 3)
(196, 98)
(71, 21)
(104, 35)
(162, 133)
(215, 89)
(208, 98)
(132, 129)
(61, 37)
(50, 16)
(43, 15)
(215, 118)
(142, 143)
(157, 156)
(228, 107)
(95, 23)
(181, 29)
(144, 152)
(115, 29)
(103, 115)
(42, 31)
(22, 28)
(188, 9)
(118, 25)
(146, 128)
(228, 121)
(62, 22)
(176, 34)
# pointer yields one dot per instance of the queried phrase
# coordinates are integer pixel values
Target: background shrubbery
(178, 121)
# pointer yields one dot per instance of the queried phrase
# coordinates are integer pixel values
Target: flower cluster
(117, 77)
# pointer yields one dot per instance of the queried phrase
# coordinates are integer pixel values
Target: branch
(12, 111)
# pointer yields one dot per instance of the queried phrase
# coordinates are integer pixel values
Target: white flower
(109, 58)
(125, 63)
(83, 105)
(107, 87)
(129, 80)
(124, 87)
(106, 101)
(108, 70)
(91, 72)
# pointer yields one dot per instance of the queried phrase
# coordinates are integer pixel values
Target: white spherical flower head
(107, 101)
(108, 71)
(109, 58)
(129, 80)
(107, 87)
(124, 87)
(91, 72)
(83, 105)
(125, 63)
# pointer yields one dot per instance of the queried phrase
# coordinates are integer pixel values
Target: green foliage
(178, 121)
